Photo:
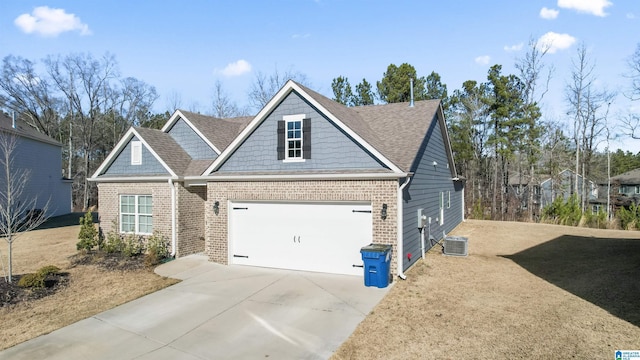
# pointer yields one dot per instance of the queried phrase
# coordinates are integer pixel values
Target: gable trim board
(289, 87)
(117, 150)
(177, 115)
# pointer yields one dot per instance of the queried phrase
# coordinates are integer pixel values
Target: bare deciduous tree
(265, 86)
(223, 106)
(18, 212)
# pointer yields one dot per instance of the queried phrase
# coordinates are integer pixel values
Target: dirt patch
(525, 291)
(91, 284)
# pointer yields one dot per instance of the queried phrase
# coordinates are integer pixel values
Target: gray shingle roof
(220, 132)
(167, 148)
(395, 130)
(24, 130)
(629, 178)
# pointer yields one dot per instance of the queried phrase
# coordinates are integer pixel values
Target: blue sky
(183, 47)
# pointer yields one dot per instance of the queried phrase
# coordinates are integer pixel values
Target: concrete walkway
(218, 312)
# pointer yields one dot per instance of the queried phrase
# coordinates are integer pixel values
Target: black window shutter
(306, 138)
(281, 125)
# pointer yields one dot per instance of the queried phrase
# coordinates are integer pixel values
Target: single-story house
(302, 185)
(41, 157)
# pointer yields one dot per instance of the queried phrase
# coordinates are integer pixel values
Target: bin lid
(376, 248)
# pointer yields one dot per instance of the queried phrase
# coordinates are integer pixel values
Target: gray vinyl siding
(43, 163)
(191, 142)
(122, 164)
(331, 148)
(424, 191)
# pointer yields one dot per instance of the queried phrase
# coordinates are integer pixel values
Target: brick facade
(189, 211)
(190, 219)
(377, 192)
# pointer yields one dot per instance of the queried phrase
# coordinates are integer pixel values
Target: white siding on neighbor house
(331, 148)
(45, 184)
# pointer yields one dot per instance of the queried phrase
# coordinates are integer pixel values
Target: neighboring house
(563, 185)
(41, 156)
(302, 185)
(625, 190)
(547, 188)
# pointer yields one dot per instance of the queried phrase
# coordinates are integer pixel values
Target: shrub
(48, 270)
(31, 280)
(113, 243)
(133, 245)
(37, 279)
(157, 249)
(597, 220)
(563, 212)
(88, 235)
(629, 218)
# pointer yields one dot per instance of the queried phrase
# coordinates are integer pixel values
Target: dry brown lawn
(90, 290)
(526, 291)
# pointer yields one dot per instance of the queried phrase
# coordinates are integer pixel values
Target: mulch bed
(11, 293)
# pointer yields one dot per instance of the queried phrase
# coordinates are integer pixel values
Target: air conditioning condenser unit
(455, 245)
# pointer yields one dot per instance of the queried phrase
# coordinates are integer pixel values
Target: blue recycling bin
(376, 258)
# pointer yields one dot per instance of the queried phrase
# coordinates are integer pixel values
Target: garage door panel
(324, 237)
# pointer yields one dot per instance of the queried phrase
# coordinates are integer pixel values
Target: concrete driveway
(218, 312)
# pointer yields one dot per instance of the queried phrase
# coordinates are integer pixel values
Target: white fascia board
(179, 115)
(137, 179)
(447, 141)
(300, 177)
(286, 89)
(119, 147)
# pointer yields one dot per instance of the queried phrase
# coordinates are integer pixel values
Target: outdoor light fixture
(216, 207)
(383, 213)
(435, 163)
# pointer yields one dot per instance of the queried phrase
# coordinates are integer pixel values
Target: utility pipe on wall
(172, 185)
(399, 247)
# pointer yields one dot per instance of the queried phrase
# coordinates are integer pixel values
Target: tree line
(501, 140)
(502, 143)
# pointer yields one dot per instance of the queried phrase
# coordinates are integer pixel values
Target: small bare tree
(18, 212)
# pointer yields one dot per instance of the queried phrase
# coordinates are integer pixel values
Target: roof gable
(177, 159)
(330, 109)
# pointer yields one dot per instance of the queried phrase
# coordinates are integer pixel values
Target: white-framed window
(136, 214)
(293, 137)
(136, 152)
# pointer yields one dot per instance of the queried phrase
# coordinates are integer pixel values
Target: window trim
(287, 120)
(136, 214)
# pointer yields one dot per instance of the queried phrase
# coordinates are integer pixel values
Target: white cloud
(554, 41)
(46, 21)
(483, 60)
(513, 48)
(593, 7)
(236, 68)
(631, 16)
(549, 14)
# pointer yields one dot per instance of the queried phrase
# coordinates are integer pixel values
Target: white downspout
(173, 217)
(399, 246)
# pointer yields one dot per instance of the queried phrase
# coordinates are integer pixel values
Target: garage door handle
(354, 265)
(362, 211)
(240, 256)
(294, 239)
(240, 208)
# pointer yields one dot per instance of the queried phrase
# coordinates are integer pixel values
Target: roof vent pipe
(411, 89)
(13, 119)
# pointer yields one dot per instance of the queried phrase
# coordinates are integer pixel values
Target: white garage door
(324, 237)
